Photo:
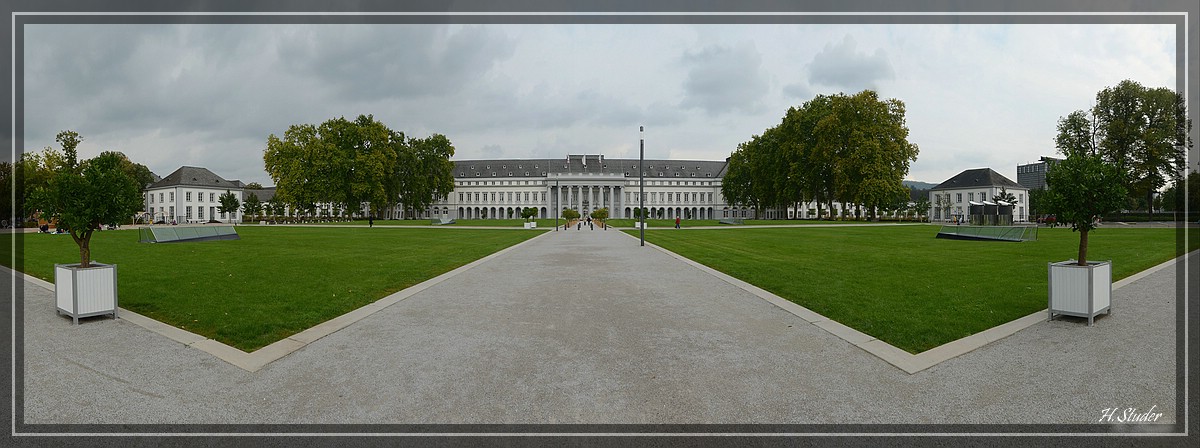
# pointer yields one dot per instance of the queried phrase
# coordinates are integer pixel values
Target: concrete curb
(897, 357)
(256, 360)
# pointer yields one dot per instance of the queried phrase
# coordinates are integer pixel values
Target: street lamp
(642, 181)
(557, 193)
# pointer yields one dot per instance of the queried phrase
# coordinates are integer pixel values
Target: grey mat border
(256, 360)
(903, 360)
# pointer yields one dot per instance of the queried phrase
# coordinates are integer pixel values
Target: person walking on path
(371, 221)
(676, 222)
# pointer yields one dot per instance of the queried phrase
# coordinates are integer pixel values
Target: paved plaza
(588, 327)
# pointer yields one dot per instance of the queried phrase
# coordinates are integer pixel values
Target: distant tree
(229, 204)
(1037, 202)
(528, 213)
(942, 202)
(1144, 133)
(136, 171)
(425, 171)
(922, 207)
(1004, 196)
(7, 181)
(254, 186)
(600, 214)
(252, 207)
(33, 171)
(570, 214)
(82, 197)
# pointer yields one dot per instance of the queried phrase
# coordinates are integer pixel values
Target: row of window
(670, 197)
(167, 213)
(212, 197)
(958, 197)
(508, 197)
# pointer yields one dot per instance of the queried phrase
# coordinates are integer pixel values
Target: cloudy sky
(209, 95)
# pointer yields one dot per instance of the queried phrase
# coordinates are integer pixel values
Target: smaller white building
(191, 195)
(952, 199)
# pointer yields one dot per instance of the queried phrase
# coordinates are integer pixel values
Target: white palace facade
(499, 189)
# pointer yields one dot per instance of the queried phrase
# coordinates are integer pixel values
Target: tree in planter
(600, 214)
(528, 213)
(1083, 188)
(81, 197)
(229, 204)
(570, 214)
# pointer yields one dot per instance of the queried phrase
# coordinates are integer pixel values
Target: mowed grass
(273, 282)
(901, 284)
(670, 223)
(428, 223)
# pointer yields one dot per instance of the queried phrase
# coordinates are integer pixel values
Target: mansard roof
(591, 163)
(979, 177)
(192, 176)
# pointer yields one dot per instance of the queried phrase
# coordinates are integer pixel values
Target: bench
(441, 221)
(732, 221)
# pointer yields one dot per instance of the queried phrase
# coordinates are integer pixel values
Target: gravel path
(587, 327)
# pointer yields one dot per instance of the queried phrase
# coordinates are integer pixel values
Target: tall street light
(642, 181)
(557, 192)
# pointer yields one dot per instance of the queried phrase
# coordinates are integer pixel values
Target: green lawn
(902, 285)
(670, 223)
(547, 223)
(274, 281)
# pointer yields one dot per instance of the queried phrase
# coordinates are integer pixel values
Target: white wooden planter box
(82, 292)
(1083, 291)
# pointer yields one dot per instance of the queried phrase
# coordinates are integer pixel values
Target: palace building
(500, 189)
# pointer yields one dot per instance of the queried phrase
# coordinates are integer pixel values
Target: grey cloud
(364, 62)
(842, 65)
(723, 80)
(798, 90)
(492, 151)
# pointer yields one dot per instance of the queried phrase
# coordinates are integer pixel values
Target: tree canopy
(355, 163)
(81, 197)
(1141, 131)
(852, 149)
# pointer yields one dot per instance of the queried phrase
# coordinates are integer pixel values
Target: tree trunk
(85, 252)
(1083, 242)
(1150, 205)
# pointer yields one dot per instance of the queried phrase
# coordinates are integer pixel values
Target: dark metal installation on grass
(990, 221)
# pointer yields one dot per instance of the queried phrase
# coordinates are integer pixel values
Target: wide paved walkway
(588, 327)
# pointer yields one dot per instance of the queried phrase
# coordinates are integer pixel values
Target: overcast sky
(209, 95)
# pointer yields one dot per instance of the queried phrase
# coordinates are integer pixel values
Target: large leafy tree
(425, 172)
(853, 149)
(136, 171)
(33, 171)
(352, 163)
(81, 197)
(1144, 133)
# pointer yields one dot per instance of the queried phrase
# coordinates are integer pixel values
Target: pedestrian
(676, 222)
(371, 221)
(579, 225)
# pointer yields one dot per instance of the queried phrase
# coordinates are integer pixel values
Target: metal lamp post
(557, 193)
(642, 181)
